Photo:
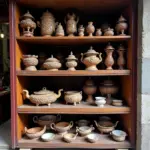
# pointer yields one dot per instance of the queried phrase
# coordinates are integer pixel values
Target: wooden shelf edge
(57, 108)
(74, 73)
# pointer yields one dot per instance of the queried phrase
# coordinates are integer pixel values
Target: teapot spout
(59, 93)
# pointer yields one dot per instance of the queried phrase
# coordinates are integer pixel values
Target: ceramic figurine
(89, 89)
(121, 26)
(98, 32)
(71, 62)
(109, 61)
(52, 64)
(30, 61)
(90, 29)
(43, 96)
(108, 87)
(81, 30)
(91, 59)
(60, 30)
(121, 59)
(71, 21)
(109, 32)
(47, 24)
(27, 24)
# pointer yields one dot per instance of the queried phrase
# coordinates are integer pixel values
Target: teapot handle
(52, 125)
(35, 119)
(82, 57)
(39, 24)
(100, 56)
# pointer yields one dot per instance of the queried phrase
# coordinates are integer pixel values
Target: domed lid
(52, 59)
(121, 19)
(47, 14)
(71, 57)
(89, 82)
(109, 47)
(121, 48)
(27, 15)
(108, 82)
(91, 51)
(43, 91)
(109, 29)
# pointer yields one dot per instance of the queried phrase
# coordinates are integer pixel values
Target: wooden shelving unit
(22, 110)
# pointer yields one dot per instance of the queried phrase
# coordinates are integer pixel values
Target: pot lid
(47, 14)
(43, 91)
(27, 15)
(71, 56)
(121, 19)
(108, 82)
(91, 51)
(121, 48)
(109, 29)
(52, 59)
(109, 47)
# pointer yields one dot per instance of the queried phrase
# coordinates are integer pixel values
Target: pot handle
(39, 24)
(52, 126)
(71, 124)
(116, 124)
(35, 119)
(58, 118)
(100, 56)
(82, 57)
(25, 129)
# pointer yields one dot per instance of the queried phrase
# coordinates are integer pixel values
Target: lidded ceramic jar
(89, 89)
(60, 30)
(52, 64)
(71, 62)
(81, 30)
(98, 32)
(108, 87)
(109, 32)
(30, 61)
(90, 29)
(91, 59)
(71, 21)
(121, 25)
(27, 24)
(47, 24)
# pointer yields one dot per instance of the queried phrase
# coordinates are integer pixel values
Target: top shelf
(72, 40)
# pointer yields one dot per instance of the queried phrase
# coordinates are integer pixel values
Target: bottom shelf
(105, 142)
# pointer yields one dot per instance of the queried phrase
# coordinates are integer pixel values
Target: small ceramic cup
(100, 101)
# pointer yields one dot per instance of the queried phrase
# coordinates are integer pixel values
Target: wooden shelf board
(72, 40)
(74, 73)
(105, 142)
(82, 108)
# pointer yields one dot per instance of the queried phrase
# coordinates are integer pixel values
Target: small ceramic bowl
(100, 101)
(69, 137)
(118, 135)
(46, 137)
(93, 137)
(117, 102)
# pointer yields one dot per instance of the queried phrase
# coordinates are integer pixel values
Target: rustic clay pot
(46, 120)
(71, 21)
(121, 60)
(89, 89)
(108, 88)
(27, 24)
(60, 30)
(47, 24)
(52, 64)
(71, 62)
(69, 137)
(35, 132)
(30, 61)
(98, 32)
(105, 126)
(90, 29)
(62, 127)
(109, 61)
(81, 30)
(91, 59)
(109, 32)
(42, 97)
(121, 26)
(73, 97)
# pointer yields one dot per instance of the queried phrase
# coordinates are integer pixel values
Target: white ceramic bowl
(47, 137)
(100, 101)
(118, 135)
(93, 137)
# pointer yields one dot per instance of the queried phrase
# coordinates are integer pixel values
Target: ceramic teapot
(71, 21)
(43, 96)
(47, 24)
(91, 59)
